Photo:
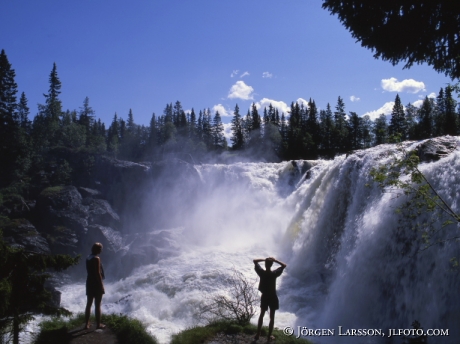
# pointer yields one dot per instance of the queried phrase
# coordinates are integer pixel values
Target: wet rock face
(101, 212)
(21, 233)
(72, 224)
(437, 148)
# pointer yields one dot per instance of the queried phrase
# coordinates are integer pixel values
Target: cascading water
(352, 260)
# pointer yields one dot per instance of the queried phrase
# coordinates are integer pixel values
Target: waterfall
(353, 261)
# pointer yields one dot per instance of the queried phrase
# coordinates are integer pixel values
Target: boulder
(437, 148)
(21, 233)
(72, 224)
(60, 198)
(87, 192)
(100, 212)
(110, 238)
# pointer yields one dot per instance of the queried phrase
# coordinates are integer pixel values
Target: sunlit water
(352, 261)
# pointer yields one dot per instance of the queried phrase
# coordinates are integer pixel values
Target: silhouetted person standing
(94, 285)
(267, 286)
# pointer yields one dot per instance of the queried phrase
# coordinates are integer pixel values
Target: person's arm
(283, 265)
(258, 260)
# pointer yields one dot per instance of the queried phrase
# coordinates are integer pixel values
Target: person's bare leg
(259, 324)
(89, 303)
(270, 325)
(97, 306)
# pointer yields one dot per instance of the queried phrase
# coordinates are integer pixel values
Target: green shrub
(201, 334)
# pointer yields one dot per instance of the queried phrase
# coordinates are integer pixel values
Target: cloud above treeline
(223, 112)
(418, 103)
(267, 75)
(407, 85)
(355, 99)
(385, 109)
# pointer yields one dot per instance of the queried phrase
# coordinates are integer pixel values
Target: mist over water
(352, 261)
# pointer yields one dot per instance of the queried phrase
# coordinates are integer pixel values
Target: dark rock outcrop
(20, 233)
(100, 212)
(72, 224)
(87, 192)
(437, 148)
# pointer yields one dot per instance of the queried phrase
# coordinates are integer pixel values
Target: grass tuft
(127, 330)
(201, 334)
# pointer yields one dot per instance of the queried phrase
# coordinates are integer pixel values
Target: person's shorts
(94, 290)
(269, 301)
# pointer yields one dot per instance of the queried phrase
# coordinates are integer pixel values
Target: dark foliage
(410, 31)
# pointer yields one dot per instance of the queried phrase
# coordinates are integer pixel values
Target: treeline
(38, 151)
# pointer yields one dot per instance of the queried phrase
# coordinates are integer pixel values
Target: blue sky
(205, 53)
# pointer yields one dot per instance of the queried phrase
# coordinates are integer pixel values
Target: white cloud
(223, 112)
(407, 85)
(280, 105)
(241, 90)
(303, 102)
(432, 95)
(418, 103)
(244, 74)
(355, 99)
(235, 72)
(385, 109)
(267, 75)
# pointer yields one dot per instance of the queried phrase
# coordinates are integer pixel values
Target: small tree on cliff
(22, 291)
(239, 305)
(402, 176)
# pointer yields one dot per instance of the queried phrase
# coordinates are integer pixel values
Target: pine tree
(284, 137)
(381, 130)
(192, 126)
(398, 124)
(23, 114)
(152, 143)
(113, 136)
(411, 120)
(53, 108)
(22, 286)
(8, 91)
(340, 127)
(295, 140)
(425, 125)
(207, 128)
(439, 115)
(218, 137)
(451, 117)
(14, 140)
(327, 130)
(46, 131)
(366, 131)
(237, 130)
(355, 132)
(313, 125)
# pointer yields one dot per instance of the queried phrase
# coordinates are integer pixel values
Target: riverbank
(122, 329)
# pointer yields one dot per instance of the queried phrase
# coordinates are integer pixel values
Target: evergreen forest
(57, 146)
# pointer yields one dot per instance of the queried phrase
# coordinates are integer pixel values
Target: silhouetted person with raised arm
(94, 285)
(267, 286)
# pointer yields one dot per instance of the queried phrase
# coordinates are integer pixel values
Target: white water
(351, 261)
